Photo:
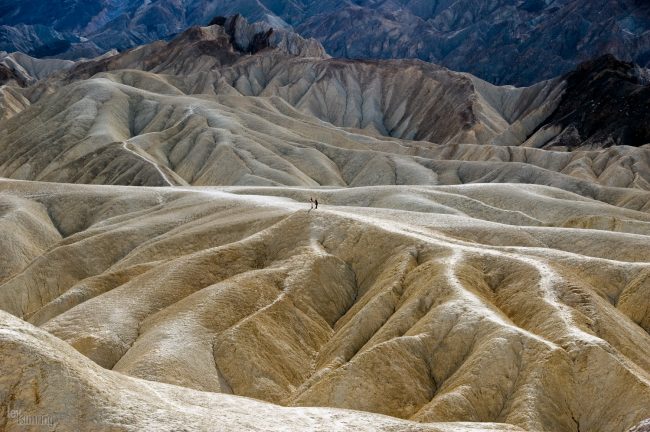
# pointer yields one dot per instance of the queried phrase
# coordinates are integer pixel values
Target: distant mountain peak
(251, 38)
(516, 42)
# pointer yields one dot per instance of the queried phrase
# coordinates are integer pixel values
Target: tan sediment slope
(60, 382)
(517, 304)
(197, 111)
(135, 128)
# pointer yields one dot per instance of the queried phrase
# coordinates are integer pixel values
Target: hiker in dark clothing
(316, 202)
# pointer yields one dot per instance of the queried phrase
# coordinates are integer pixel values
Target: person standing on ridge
(311, 203)
(316, 202)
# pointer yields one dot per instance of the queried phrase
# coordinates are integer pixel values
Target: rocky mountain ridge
(504, 42)
(275, 109)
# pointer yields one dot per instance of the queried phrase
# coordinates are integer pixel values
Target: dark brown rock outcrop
(606, 103)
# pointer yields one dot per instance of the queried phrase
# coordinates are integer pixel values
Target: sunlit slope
(135, 128)
(514, 304)
(198, 111)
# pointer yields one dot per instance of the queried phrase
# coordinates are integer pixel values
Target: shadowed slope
(606, 103)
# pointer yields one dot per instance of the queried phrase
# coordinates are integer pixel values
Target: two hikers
(313, 203)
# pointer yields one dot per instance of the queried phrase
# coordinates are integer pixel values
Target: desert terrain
(479, 259)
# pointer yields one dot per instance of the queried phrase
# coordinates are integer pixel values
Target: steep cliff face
(504, 41)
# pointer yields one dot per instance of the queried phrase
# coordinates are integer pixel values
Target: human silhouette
(316, 202)
(311, 203)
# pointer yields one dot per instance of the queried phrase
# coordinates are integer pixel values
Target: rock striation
(23, 70)
(65, 380)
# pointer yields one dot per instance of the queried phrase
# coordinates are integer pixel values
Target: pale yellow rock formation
(195, 111)
(474, 303)
(63, 390)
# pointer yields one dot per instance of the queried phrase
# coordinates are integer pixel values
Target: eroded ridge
(517, 305)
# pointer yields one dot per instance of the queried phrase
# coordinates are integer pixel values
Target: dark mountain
(606, 102)
(36, 40)
(93, 27)
(7, 74)
(502, 41)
